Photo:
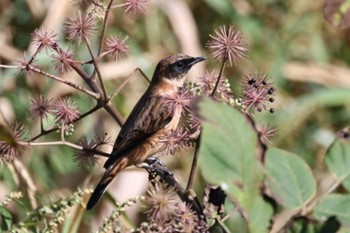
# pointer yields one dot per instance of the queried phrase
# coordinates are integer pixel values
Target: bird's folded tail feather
(106, 179)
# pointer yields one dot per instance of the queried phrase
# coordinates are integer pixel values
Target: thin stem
(103, 33)
(65, 143)
(96, 69)
(194, 164)
(127, 80)
(73, 85)
(117, 6)
(12, 66)
(143, 74)
(63, 127)
(219, 77)
(86, 78)
(114, 113)
(223, 226)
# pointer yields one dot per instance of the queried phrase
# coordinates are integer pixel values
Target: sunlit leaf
(228, 158)
(337, 160)
(337, 205)
(289, 177)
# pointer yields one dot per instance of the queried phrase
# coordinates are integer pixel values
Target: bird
(150, 119)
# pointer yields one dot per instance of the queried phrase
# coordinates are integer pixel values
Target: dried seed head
(85, 157)
(228, 45)
(206, 83)
(40, 108)
(179, 100)
(10, 146)
(117, 47)
(63, 60)
(176, 140)
(65, 110)
(161, 203)
(80, 27)
(44, 38)
(135, 7)
(266, 132)
(257, 93)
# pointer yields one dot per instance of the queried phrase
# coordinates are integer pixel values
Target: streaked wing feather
(148, 117)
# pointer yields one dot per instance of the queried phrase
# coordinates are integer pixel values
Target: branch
(194, 164)
(97, 70)
(219, 77)
(127, 80)
(75, 86)
(65, 143)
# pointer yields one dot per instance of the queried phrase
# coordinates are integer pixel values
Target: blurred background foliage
(306, 57)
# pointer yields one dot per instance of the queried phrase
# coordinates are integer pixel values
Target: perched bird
(150, 119)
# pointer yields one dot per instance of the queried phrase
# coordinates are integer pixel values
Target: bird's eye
(179, 64)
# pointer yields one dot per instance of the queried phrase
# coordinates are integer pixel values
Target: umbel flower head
(227, 44)
(135, 7)
(206, 83)
(40, 108)
(63, 61)
(176, 140)
(161, 203)
(117, 47)
(44, 38)
(180, 100)
(266, 132)
(10, 146)
(86, 156)
(65, 110)
(257, 93)
(80, 27)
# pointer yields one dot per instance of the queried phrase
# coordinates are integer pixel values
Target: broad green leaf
(337, 205)
(228, 145)
(289, 178)
(337, 160)
(228, 158)
(5, 219)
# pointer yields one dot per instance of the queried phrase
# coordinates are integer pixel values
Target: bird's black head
(175, 67)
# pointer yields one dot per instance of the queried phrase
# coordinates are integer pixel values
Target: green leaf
(228, 158)
(289, 178)
(5, 219)
(337, 160)
(334, 205)
(228, 144)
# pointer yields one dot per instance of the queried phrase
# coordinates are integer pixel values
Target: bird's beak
(196, 60)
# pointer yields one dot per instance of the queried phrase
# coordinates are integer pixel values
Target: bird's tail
(106, 179)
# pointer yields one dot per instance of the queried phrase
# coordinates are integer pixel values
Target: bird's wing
(148, 117)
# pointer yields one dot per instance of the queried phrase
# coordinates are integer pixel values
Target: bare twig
(219, 77)
(73, 85)
(97, 70)
(65, 143)
(194, 164)
(127, 80)
(94, 60)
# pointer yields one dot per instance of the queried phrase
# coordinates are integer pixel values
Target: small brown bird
(151, 118)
